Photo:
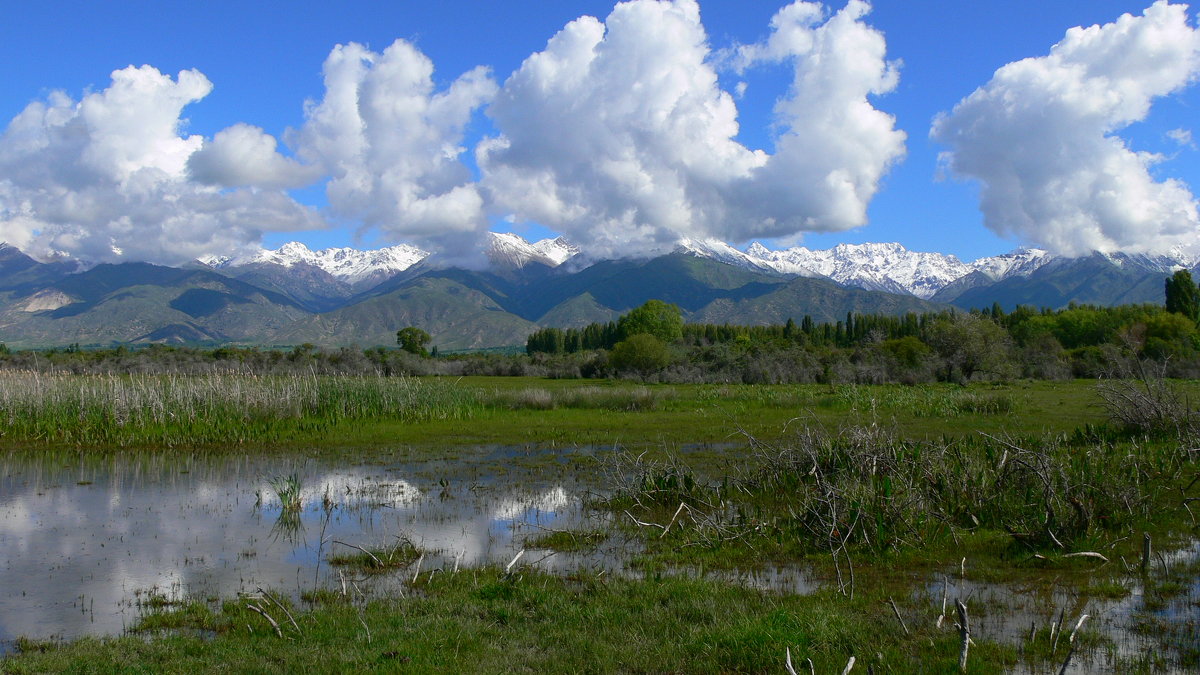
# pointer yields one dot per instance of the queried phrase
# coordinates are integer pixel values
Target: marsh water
(86, 541)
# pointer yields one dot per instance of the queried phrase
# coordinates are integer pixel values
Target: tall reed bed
(216, 408)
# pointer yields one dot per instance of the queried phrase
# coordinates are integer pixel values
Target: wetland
(497, 524)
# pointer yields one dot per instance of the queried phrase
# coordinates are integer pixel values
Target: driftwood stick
(291, 618)
(517, 557)
(788, 662)
(365, 627)
(1086, 554)
(1062, 614)
(378, 562)
(266, 616)
(964, 631)
(1071, 642)
(668, 527)
(896, 610)
(417, 573)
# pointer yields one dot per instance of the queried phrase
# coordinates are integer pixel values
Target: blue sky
(264, 61)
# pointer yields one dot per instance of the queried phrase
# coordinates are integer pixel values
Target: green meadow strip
(172, 410)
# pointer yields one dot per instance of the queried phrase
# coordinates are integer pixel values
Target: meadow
(884, 495)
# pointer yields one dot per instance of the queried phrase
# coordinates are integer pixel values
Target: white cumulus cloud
(105, 178)
(619, 135)
(390, 142)
(1041, 138)
(245, 155)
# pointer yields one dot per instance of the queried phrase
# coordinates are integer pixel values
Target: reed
(287, 489)
(216, 408)
(867, 491)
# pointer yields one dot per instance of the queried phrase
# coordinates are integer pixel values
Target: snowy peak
(511, 251)
(715, 249)
(886, 267)
(559, 250)
(881, 267)
(1019, 263)
(346, 264)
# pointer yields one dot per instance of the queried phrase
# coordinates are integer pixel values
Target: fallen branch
(517, 557)
(291, 618)
(267, 617)
(1086, 554)
(964, 631)
(1071, 641)
(668, 527)
(378, 562)
(898, 617)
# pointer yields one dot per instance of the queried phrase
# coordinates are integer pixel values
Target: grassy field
(228, 411)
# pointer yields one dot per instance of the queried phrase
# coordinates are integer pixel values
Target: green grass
(223, 409)
(287, 489)
(328, 412)
(867, 492)
(567, 541)
(487, 621)
(375, 561)
(706, 415)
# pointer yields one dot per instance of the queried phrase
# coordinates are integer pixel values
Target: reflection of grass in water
(1168, 609)
(288, 525)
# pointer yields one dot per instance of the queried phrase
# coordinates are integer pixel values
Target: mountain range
(343, 296)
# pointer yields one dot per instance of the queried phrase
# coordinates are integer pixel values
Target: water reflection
(1010, 612)
(78, 539)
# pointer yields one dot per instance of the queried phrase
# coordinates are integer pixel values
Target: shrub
(641, 354)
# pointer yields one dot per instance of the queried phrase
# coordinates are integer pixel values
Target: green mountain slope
(1090, 280)
(455, 315)
(135, 301)
(311, 287)
(821, 299)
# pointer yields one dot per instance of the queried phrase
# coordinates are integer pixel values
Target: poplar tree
(1182, 295)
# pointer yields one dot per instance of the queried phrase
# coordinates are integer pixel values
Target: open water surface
(83, 542)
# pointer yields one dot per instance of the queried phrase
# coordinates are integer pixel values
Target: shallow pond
(86, 542)
(83, 543)
(1022, 612)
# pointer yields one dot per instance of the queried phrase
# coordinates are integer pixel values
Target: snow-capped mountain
(1019, 263)
(878, 267)
(346, 264)
(888, 267)
(512, 251)
(715, 249)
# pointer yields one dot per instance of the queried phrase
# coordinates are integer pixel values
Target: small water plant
(288, 489)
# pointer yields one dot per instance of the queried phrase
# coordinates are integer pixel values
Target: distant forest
(653, 344)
